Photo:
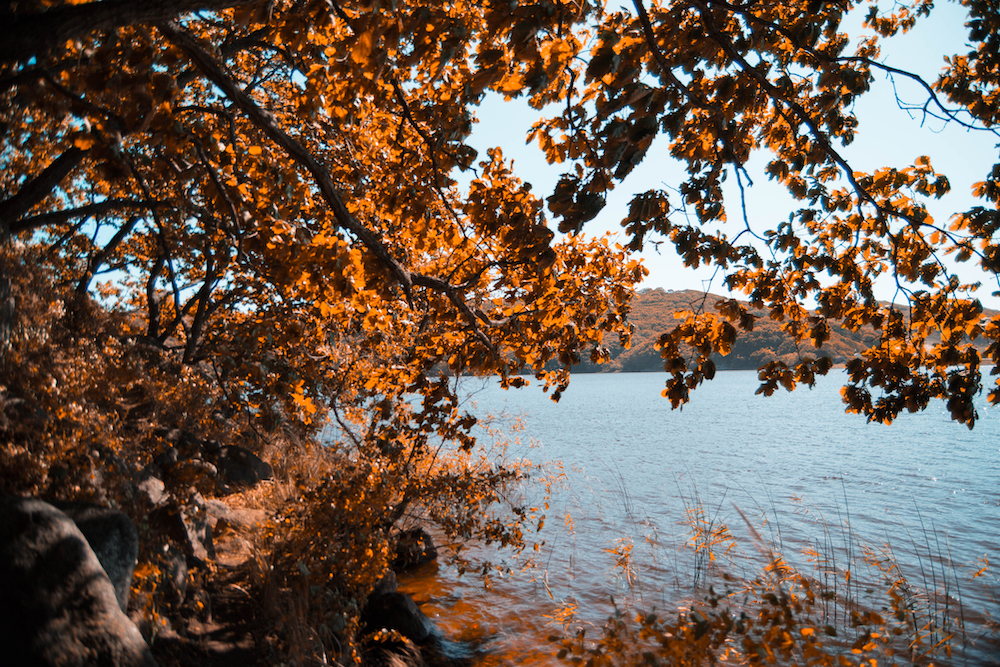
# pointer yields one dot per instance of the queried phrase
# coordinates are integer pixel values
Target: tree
(269, 191)
(721, 81)
(230, 224)
(239, 216)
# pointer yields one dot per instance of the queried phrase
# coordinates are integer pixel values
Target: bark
(100, 208)
(23, 36)
(37, 189)
(266, 121)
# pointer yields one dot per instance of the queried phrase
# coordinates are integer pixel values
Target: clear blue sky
(887, 136)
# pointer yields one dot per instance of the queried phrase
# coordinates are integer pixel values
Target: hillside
(653, 313)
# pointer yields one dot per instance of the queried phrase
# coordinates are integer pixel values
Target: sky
(887, 136)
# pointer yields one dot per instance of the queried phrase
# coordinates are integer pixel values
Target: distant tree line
(653, 313)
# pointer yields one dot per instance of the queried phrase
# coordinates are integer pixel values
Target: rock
(173, 564)
(200, 606)
(188, 527)
(387, 584)
(241, 467)
(233, 552)
(193, 472)
(183, 466)
(414, 547)
(397, 611)
(211, 448)
(167, 459)
(221, 516)
(243, 520)
(247, 518)
(57, 605)
(151, 491)
(207, 465)
(216, 509)
(112, 538)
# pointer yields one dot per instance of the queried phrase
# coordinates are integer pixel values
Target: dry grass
(852, 603)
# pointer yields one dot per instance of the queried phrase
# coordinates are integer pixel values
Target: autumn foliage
(242, 219)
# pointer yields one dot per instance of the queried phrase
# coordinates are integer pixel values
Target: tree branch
(23, 36)
(36, 190)
(269, 125)
(101, 256)
(57, 217)
(948, 114)
(864, 195)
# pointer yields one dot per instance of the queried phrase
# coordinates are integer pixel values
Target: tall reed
(842, 600)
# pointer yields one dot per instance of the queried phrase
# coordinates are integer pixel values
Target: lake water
(802, 473)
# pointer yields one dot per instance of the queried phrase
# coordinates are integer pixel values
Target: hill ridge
(653, 314)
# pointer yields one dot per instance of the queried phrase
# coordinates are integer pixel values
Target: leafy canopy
(265, 194)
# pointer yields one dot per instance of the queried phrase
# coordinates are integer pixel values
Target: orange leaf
(84, 142)
(362, 48)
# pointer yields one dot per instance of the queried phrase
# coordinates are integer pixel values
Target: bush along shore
(258, 536)
(199, 582)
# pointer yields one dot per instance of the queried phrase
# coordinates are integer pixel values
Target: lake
(794, 466)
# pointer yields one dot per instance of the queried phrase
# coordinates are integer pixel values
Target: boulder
(414, 547)
(397, 611)
(215, 510)
(193, 472)
(167, 459)
(57, 604)
(385, 584)
(241, 467)
(222, 516)
(206, 465)
(185, 464)
(113, 539)
(189, 527)
(246, 518)
(174, 566)
(151, 491)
